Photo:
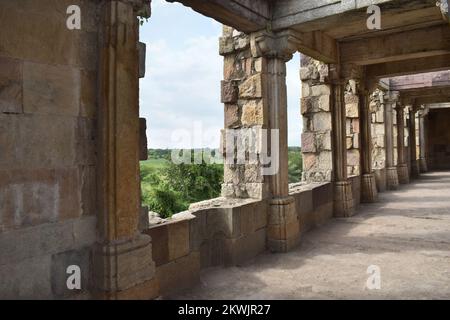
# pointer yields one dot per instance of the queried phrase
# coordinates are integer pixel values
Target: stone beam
(410, 66)
(244, 15)
(419, 43)
(329, 14)
(418, 81)
(318, 45)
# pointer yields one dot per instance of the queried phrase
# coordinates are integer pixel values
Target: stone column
(317, 125)
(415, 169)
(378, 133)
(422, 139)
(275, 50)
(391, 170)
(343, 195)
(369, 191)
(402, 167)
(123, 265)
(255, 97)
(244, 95)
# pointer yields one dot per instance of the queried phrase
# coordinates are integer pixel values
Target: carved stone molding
(280, 45)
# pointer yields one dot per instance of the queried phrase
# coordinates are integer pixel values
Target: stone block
(229, 92)
(252, 87)
(352, 110)
(178, 239)
(322, 121)
(320, 90)
(51, 89)
(10, 86)
(226, 45)
(324, 103)
(46, 239)
(232, 116)
(308, 142)
(356, 140)
(355, 125)
(253, 113)
(160, 244)
(39, 141)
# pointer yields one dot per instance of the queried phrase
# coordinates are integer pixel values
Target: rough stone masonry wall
(317, 124)
(244, 108)
(377, 115)
(376, 109)
(48, 81)
(352, 130)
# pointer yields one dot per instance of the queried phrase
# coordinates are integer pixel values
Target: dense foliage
(168, 188)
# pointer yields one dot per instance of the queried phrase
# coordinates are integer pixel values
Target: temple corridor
(406, 234)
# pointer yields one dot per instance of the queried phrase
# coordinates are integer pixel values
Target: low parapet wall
(225, 232)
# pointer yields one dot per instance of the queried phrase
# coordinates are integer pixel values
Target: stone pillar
(317, 124)
(343, 195)
(369, 191)
(391, 170)
(378, 133)
(415, 169)
(402, 166)
(275, 50)
(123, 265)
(244, 95)
(255, 97)
(422, 143)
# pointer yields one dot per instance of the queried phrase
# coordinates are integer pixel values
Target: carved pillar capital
(392, 97)
(280, 45)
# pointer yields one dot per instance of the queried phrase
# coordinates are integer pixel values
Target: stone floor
(406, 234)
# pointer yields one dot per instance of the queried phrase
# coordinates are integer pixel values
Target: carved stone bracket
(281, 45)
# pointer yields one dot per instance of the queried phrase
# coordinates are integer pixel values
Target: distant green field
(154, 164)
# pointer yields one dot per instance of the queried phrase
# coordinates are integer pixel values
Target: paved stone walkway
(406, 234)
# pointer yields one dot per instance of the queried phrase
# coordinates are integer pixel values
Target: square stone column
(255, 98)
(283, 229)
(402, 166)
(391, 100)
(422, 141)
(378, 134)
(317, 124)
(343, 195)
(369, 191)
(415, 168)
(123, 265)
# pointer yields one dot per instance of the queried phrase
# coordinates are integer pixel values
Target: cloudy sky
(180, 95)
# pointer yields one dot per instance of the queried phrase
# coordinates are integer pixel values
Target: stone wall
(352, 130)
(48, 108)
(244, 108)
(313, 203)
(317, 124)
(376, 108)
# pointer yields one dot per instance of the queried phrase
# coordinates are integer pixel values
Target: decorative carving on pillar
(402, 167)
(123, 266)
(391, 99)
